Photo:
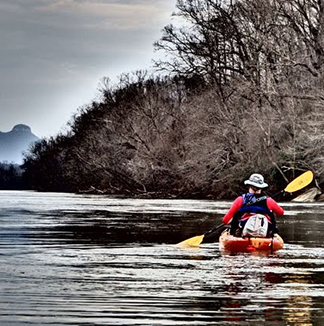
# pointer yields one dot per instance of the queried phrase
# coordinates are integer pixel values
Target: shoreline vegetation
(240, 90)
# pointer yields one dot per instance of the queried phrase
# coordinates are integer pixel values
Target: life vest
(254, 204)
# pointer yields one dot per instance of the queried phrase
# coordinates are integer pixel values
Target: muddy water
(86, 260)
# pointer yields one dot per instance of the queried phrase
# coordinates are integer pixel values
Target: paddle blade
(192, 242)
(300, 182)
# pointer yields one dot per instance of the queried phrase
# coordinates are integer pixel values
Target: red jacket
(237, 204)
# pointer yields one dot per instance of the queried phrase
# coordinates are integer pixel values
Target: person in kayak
(252, 203)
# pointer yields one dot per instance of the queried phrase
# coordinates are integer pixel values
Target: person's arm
(234, 208)
(273, 206)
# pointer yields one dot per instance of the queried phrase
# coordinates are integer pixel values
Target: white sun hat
(256, 180)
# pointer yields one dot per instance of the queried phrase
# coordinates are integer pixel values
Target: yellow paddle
(299, 183)
(197, 240)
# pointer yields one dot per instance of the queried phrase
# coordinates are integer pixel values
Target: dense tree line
(11, 177)
(244, 94)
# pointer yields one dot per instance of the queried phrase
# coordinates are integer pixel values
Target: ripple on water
(81, 263)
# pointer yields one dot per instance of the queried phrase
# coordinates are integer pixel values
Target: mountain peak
(21, 128)
(15, 142)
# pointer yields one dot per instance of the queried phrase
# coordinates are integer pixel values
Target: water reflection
(85, 260)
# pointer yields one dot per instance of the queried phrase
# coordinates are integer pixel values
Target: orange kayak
(230, 243)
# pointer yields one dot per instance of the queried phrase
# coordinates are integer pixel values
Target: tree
(245, 95)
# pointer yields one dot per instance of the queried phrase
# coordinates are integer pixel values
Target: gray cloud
(54, 53)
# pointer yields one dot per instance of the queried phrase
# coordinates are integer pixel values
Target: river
(71, 259)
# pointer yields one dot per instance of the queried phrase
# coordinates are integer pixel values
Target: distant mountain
(14, 142)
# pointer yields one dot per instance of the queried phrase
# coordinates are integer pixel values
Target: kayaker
(251, 203)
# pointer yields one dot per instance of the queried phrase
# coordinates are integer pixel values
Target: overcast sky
(54, 54)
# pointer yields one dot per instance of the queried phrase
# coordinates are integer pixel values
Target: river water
(87, 260)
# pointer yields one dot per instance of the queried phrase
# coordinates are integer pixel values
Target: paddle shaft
(214, 229)
(278, 193)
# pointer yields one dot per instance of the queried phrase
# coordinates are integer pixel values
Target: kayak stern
(230, 243)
